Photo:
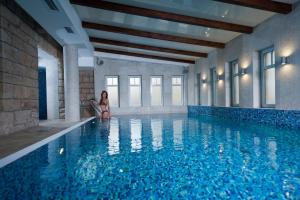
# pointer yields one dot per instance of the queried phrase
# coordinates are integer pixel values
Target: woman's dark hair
(101, 99)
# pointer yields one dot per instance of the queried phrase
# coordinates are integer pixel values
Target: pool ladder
(95, 106)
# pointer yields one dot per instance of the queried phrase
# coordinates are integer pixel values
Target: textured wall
(87, 91)
(19, 40)
(283, 32)
(124, 68)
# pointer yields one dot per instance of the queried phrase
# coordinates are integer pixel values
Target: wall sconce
(284, 60)
(243, 71)
(220, 77)
(204, 81)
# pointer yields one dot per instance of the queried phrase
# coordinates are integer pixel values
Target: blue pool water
(160, 157)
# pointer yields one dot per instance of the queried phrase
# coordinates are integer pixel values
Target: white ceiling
(72, 15)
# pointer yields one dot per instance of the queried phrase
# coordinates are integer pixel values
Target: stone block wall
(20, 38)
(87, 91)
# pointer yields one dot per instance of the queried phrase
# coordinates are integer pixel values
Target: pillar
(71, 80)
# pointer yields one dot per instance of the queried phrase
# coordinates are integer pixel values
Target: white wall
(51, 65)
(282, 31)
(125, 68)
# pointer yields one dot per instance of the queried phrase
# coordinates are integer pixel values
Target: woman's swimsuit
(104, 104)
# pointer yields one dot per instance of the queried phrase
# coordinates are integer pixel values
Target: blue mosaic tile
(163, 157)
(274, 117)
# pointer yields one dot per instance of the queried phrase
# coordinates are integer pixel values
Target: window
(177, 90)
(156, 91)
(213, 89)
(234, 71)
(267, 57)
(199, 88)
(112, 88)
(135, 97)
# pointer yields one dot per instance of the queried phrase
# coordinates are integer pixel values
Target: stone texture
(87, 91)
(20, 38)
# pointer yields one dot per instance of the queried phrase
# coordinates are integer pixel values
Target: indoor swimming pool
(160, 157)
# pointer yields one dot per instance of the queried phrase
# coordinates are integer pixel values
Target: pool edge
(18, 154)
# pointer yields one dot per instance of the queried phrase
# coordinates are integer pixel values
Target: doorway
(42, 94)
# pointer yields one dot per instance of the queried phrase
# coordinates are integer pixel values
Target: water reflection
(256, 142)
(156, 128)
(136, 134)
(272, 149)
(113, 137)
(177, 131)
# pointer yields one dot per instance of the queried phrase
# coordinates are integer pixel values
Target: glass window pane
(173, 81)
(179, 81)
(135, 96)
(131, 81)
(113, 95)
(115, 81)
(137, 81)
(156, 96)
(268, 59)
(153, 81)
(270, 85)
(273, 57)
(236, 68)
(108, 81)
(177, 95)
(236, 90)
(158, 81)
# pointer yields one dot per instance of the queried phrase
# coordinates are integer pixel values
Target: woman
(104, 105)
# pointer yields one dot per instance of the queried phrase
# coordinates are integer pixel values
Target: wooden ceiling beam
(144, 55)
(147, 47)
(153, 35)
(163, 15)
(267, 5)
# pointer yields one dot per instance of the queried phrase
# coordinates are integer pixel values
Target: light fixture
(284, 60)
(220, 77)
(204, 81)
(243, 71)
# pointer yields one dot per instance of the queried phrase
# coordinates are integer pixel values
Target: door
(42, 94)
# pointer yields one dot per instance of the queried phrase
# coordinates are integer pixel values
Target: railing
(96, 107)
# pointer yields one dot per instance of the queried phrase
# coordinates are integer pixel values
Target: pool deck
(19, 140)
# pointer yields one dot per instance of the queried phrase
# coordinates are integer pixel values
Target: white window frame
(140, 85)
(161, 88)
(263, 69)
(106, 87)
(182, 92)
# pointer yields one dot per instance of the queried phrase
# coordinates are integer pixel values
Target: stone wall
(20, 37)
(87, 91)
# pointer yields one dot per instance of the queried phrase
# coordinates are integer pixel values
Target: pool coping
(15, 156)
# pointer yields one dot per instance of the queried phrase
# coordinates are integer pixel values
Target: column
(71, 80)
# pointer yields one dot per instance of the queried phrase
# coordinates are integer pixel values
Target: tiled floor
(19, 140)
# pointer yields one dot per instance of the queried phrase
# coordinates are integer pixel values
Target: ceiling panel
(153, 25)
(206, 9)
(147, 41)
(144, 51)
